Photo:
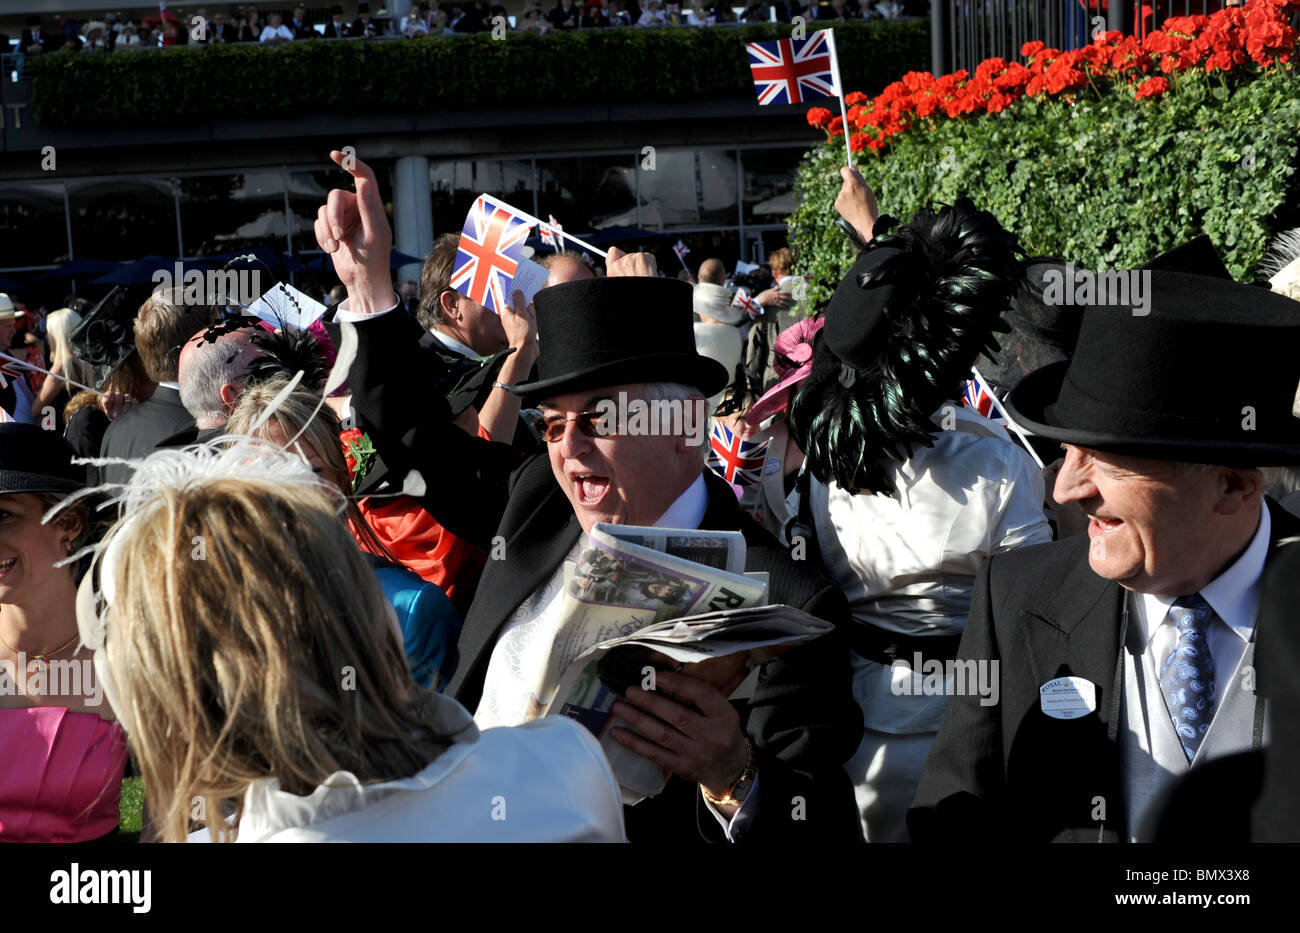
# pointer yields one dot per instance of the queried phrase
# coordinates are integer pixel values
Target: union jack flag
(5, 417)
(736, 460)
(552, 237)
(977, 395)
(750, 304)
(681, 249)
(491, 246)
(790, 71)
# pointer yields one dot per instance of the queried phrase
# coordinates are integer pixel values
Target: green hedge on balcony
(156, 88)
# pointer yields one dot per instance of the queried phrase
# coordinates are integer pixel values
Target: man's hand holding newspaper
(660, 628)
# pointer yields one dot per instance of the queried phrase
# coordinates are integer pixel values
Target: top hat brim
(701, 372)
(1032, 405)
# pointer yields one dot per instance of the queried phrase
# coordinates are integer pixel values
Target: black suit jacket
(802, 719)
(1009, 769)
(138, 432)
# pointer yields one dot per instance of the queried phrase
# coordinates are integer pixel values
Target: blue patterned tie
(1187, 677)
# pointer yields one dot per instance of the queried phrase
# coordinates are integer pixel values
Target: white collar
(451, 343)
(176, 386)
(688, 509)
(1233, 594)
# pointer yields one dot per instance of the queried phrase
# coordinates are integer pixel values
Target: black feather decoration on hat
(902, 332)
(286, 353)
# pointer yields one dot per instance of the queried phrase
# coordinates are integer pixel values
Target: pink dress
(60, 775)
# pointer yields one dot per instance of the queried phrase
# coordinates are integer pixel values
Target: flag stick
(1009, 420)
(839, 89)
(72, 382)
(556, 230)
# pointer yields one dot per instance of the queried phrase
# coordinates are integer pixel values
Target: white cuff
(344, 316)
(742, 818)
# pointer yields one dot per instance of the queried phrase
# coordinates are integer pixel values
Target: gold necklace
(41, 657)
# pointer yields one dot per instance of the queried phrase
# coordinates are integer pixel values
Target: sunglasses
(590, 423)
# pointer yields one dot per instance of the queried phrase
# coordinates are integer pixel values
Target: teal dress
(430, 623)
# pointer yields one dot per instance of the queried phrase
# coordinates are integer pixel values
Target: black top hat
(1197, 256)
(105, 337)
(33, 460)
(1208, 375)
(603, 332)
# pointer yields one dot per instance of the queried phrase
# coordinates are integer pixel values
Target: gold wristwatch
(740, 789)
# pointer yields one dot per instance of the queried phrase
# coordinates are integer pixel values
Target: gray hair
(211, 367)
(681, 392)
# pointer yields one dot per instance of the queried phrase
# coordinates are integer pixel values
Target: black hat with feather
(902, 331)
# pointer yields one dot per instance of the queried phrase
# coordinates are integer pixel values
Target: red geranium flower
(819, 117)
(1152, 87)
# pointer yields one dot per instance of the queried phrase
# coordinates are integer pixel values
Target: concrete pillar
(412, 212)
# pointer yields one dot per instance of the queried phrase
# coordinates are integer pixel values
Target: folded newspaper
(634, 591)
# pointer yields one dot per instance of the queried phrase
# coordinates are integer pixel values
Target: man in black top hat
(773, 760)
(1126, 657)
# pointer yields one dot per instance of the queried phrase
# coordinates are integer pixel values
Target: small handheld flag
(791, 71)
(491, 246)
(736, 460)
(681, 250)
(979, 396)
(752, 308)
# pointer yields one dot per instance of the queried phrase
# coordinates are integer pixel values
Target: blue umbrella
(399, 259)
(77, 268)
(292, 264)
(9, 285)
(264, 254)
(619, 234)
(141, 272)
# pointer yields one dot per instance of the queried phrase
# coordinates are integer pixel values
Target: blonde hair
(270, 654)
(321, 434)
(58, 326)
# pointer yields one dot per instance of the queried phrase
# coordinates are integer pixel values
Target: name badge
(1068, 697)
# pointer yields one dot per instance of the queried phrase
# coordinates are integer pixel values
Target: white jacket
(546, 781)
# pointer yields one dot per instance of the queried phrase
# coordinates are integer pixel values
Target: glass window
(227, 213)
(769, 183)
(123, 218)
(308, 190)
(588, 193)
(453, 186)
(33, 224)
(690, 188)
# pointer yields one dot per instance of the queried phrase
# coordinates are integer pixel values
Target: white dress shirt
(275, 32)
(1234, 597)
(451, 343)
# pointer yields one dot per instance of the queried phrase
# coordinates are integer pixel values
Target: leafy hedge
(151, 88)
(1106, 156)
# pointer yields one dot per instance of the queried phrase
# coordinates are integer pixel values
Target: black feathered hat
(628, 329)
(902, 331)
(1206, 373)
(106, 336)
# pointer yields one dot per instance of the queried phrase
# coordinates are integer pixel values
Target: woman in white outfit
(909, 492)
(260, 676)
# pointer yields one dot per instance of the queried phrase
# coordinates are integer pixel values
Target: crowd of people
(182, 26)
(323, 569)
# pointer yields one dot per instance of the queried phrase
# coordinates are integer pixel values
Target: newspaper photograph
(616, 587)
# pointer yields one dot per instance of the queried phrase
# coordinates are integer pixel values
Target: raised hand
(856, 203)
(352, 227)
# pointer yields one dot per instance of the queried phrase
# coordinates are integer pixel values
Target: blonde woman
(263, 685)
(430, 623)
(63, 361)
(62, 757)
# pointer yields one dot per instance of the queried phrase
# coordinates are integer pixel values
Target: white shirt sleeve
(740, 821)
(344, 316)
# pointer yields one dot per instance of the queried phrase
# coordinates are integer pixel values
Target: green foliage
(1108, 183)
(193, 83)
(132, 810)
